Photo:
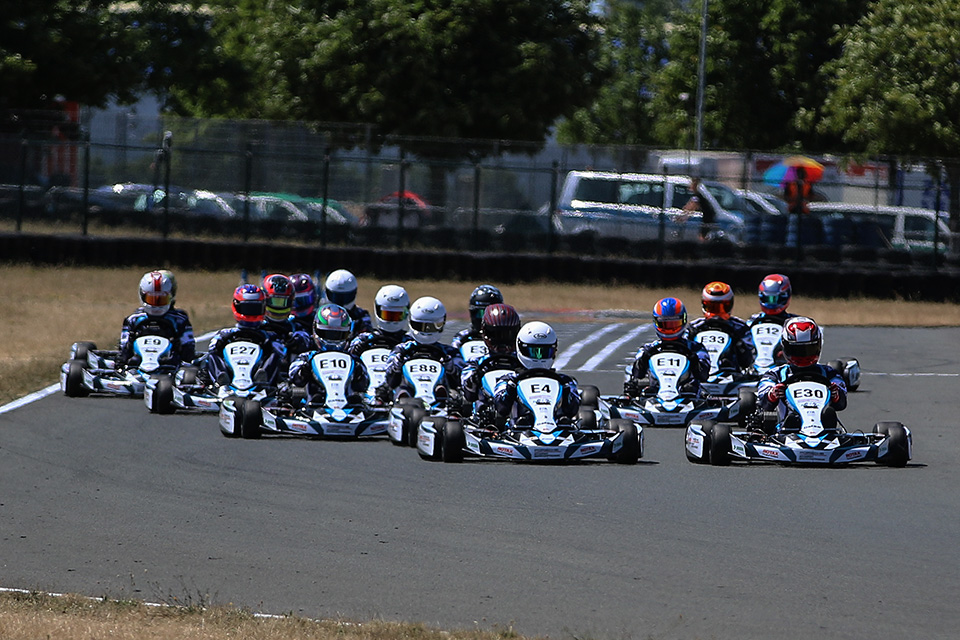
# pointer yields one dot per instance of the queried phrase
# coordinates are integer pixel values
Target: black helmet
(501, 324)
(481, 298)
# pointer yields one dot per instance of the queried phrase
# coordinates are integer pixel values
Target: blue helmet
(669, 318)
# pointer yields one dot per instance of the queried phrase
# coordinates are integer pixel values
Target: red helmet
(499, 327)
(774, 293)
(802, 340)
(717, 300)
(249, 305)
(279, 292)
(669, 318)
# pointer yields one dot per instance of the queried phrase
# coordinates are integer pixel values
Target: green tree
(762, 89)
(896, 87)
(633, 48)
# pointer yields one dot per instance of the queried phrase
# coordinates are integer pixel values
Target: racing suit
(505, 395)
(697, 357)
(173, 325)
(471, 378)
(772, 381)
(741, 356)
(466, 335)
(301, 374)
(361, 320)
(443, 353)
(295, 339)
(274, 357)
(376, 338)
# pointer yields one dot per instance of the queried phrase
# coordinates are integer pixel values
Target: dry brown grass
(28, 616)
(49, 308)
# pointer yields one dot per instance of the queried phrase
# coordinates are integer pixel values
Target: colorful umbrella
(786, 170)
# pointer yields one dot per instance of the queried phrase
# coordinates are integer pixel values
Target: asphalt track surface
(101, 498)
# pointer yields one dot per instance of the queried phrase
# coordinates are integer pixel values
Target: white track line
(602, 355)
(46, 391)
(576, 347)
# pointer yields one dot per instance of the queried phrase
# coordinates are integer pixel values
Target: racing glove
(383, 393)
(777, 393)
(632, 388)
(834, 392)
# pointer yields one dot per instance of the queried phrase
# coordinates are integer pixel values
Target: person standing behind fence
(699, 202)
(797, 192)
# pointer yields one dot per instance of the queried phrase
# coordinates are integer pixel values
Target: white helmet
(537, 345)
(341, 288)
(427, 317)
(392, 306)
(158, 290)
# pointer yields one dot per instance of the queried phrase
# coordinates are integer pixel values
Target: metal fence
(345, 184)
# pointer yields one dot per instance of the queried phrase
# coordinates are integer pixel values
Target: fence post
(400, 197)
(662, 221)
(551, 232)
(476, 205)
(21, 197)
(167, 143)
(936, 218)
(247, 180)
(85, 219)
(326, 195)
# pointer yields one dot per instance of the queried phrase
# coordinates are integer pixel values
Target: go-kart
(375, 360)
(185, 390)
(722, 381)
(538, 436)
(332, 416)
(422, 392)
(91, 370)
(667, 404)
(766, 338)
(809, 433)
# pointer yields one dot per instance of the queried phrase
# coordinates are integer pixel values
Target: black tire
(588, 419)
(238, 416)
(73, 387)
(83, 349)
(189, 374)
(589, 396)
(251, 419)
(748, 405)
(163, 396)
(719, 445)
(707, 427)
(438, 425)
(630, 451)
(414, 415)
(453, 442)
(898, 450)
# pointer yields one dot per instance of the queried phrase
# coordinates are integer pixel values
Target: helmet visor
(670, 325)
(539, 351)
(772, 299)
(304, 300)
(333, 334)
(391, 315)
(427, 327)
(718, 307)
(802, 350)
(248, 308)
(157, 299)
(342, 298)
(278, 303)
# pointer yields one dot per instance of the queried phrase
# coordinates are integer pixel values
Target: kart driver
(802, 342)
(304, 301)
(340, 288)
(670, 323)
(279, 292)
(427, 319)
(717, 303)
(774, 293)
(536, 350)
(249, 307)
(499, 328)
(332, 327)
(158, 293)
(391, 307)
(482, 297)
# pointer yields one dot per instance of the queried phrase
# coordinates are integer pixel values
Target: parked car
(631, 206)
(885, 227)
(417, 212)
(762, 203)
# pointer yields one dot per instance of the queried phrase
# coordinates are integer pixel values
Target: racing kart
(91, 370)
(375, 360)
(668, 405)
(422, 392)
(537, 437)
(810, 433)
(766, 338)
(334, 416)
(722, 381)
(185, 390)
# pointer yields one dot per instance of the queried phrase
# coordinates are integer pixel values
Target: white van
(885, 226)
(630, 205)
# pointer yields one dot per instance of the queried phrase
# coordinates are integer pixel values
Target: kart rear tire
(841, 368)
(83, 349)
(588, 419)
(589, 396)
(898, 450)
(630, 451)
(453, 442)
(748, 405)
(163, 396)
(719, 444)
(250, 419)
(73, 387)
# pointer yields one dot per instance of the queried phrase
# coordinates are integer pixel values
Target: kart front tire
(588, 420)
(73, 387)
(250, 419)
(589, 396)
(163, 396)
(188, 374)
(630, 452)
(453, 442)
(237, 417)
(83, 349)
(898, 449)
(719, 444)
(747, 407)
(414, 414)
